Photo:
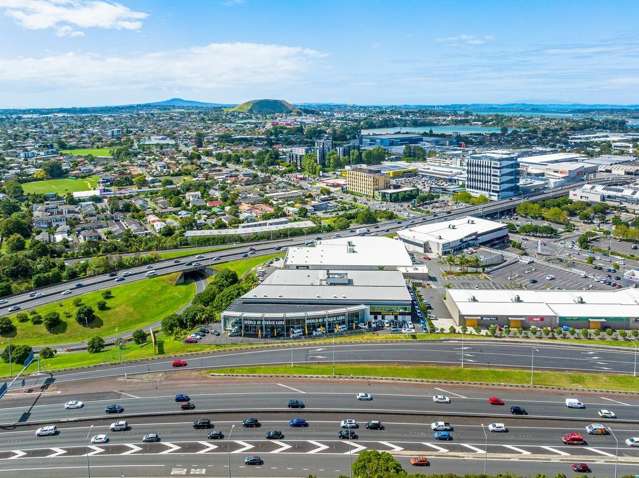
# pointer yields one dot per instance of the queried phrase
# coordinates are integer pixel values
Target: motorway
(532, 443)
(54, 293)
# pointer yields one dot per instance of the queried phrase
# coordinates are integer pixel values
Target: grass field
(88, 151)
(133, 306)
(61, 186)
(243, 266)
(427, 372)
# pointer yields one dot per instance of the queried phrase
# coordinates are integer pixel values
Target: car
(297, 422)
(532, 281)
(580, 467)
(73, 404)
(497, 428)
(191, 340)
(495, 400)
(632, 442)
(66, 292)
(119, 426)
(187, 406)
(215, 435)
(114, 408)
(274, 435)
(296, 404)
(573, 438)
(216, 333)
(119, 279)
(419, 461)
(101, 438)
(13, 308)
(151, 274)
(79, 284)
(364, 396)
(597, 429)
(442, 435)
(151, 438)
(574, 403)
(201, 423)
(347, 434)
(251, 423)
(349, 423)
(441, 399)
(441, 426)
(374, 425)
(604, 413)
(517, 410)
(199, 256)
(3, 301)
(47, 430)
(203, 330)
(179, 363)
(253, 460)
(176, 261)
(182, 397)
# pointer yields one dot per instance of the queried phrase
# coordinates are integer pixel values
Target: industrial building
(387, 140)
(293, 303)
(617, 309)
(494, 174)
(366, 180)
(450, 236)
(352, 253)
(626, 196)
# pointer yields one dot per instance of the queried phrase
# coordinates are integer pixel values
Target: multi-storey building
(493, 174)
(366, 180)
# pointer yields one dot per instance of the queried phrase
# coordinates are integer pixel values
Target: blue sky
(93, 52)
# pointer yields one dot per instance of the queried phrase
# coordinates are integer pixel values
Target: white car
(119, 426)
(441, 399)
(349, 423)
(574, 403)
(606, 413)
(497, 428)
(46, 431)
(441, 427)
(101, 438)
(66, 292)
(632, 441)
(151, 274)
(365, 396)
(71, 404)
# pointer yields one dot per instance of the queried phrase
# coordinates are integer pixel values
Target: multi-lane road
(406, 410)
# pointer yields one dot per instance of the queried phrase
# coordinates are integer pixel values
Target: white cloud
(466, 40)
(210, 69)
(69, 17)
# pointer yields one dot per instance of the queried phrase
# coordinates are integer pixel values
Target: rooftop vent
(472, 298)
(516, 298)
(579, 300)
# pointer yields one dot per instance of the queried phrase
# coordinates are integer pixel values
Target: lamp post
(228, 453)
(616, 450)
(88, 452)
(485, 447)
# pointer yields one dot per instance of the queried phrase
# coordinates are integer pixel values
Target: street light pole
(228, 453)
(89, 453)
(616, 449)
(485, 448)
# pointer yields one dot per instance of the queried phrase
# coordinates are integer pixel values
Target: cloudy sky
(100, 52)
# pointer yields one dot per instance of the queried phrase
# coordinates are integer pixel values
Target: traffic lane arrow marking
(320, 447)
(245, 446)
(171, 447)
(283, 446)
(356, 448)
(56, 452)
(208, 447)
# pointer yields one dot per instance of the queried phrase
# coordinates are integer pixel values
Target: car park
(114, 408)
(182, 397)
(151, 438)
(441, 426)
(604, 413)
(573, 438)
(274, 435)
(441, 399)
(364, 396)
(217, 435)
(187, 406)
(374, 425)
(296, 404)
(347, 434)
(349, 423)
(179, 363)
(495, 401)
(251, 423)
(419, 461)
(73, 404)
(48, 430)
(442, 435)
(597, 429)
(119, 426)
(199, 423)
(517, 410)
(253, 460)
(101, 438)
(297, 422)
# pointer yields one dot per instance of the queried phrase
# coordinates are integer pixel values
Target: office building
(493, 174)
(366, 180)
(389, 140)
(625, 196)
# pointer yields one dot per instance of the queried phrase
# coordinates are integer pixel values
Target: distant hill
(265, 107)
(182, 103)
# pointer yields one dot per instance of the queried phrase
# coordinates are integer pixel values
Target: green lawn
(61, 186)
(243, 266)
(88, 151)
(133, 306)
(573, 380)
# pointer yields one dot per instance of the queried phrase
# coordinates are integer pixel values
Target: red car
(190, 340)
(580, 468)
(573, 438)
(179, 363)
(495, 401)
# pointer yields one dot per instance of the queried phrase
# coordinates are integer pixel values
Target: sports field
(88, 151)
(61, 186)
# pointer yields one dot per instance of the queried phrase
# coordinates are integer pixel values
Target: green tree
(84, 315)
(366, 216)
(47, 353)
(52, 320)
(15, 243)
(13, 189)
(102, 305)
(6, 326)
(139, 336)
(16, 353)
(375, 464)
(95, 345)
(53, 169)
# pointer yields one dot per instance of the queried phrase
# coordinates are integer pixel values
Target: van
(574, 403)
(361, 231)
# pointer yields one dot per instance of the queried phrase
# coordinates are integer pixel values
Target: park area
(61, 186)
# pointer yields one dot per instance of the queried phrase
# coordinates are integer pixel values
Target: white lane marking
(56, 452)
(96, 450)
(602, 363)
(18, 454)
(356, 448)
(178, 471)
(283, 446)
(436, 447)
(601, 452)
(171, 447)
(245, 446)
(470, 360)
(603, 368)
(473, 448)
(518, 450)
(616, 401)
(130, 395)
(291, 388)
(133, 449)
(209, 447)
(392, 446)
(320, 447)
(450, 393)
(554, 450)
(318, 357)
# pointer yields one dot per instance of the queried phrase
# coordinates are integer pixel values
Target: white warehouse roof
(450, 231)
(552, 158)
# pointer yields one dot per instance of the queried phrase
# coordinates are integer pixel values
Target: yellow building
(366, 181)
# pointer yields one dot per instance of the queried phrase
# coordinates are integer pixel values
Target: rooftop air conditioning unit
(579, 300)
(516, 298)
(472, 298)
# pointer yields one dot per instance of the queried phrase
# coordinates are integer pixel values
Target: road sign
(28, 360)
(3, 389)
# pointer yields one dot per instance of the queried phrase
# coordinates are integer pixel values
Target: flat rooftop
(449, 231)
(552, 158)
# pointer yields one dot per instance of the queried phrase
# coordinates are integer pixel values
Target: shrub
(22, 317)
(52, 320)
(85, 315)
(102, 305)
(95, 345)
(47, 353)
(77, 301)
(6, 326)
(16, 353)
(36, 319)
(107, 294)
(139, 336)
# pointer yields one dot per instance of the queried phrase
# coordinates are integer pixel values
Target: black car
(204, 330)
(113, 274)
(202, 423)
(296, 404)
(251, 423)
(114, 408)
(253, 460)
(216, 333)
(274, 435)
(215, 435)
(517, 410)
(375, 425)
(151, 438)
(347, 434)
(187, 406)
